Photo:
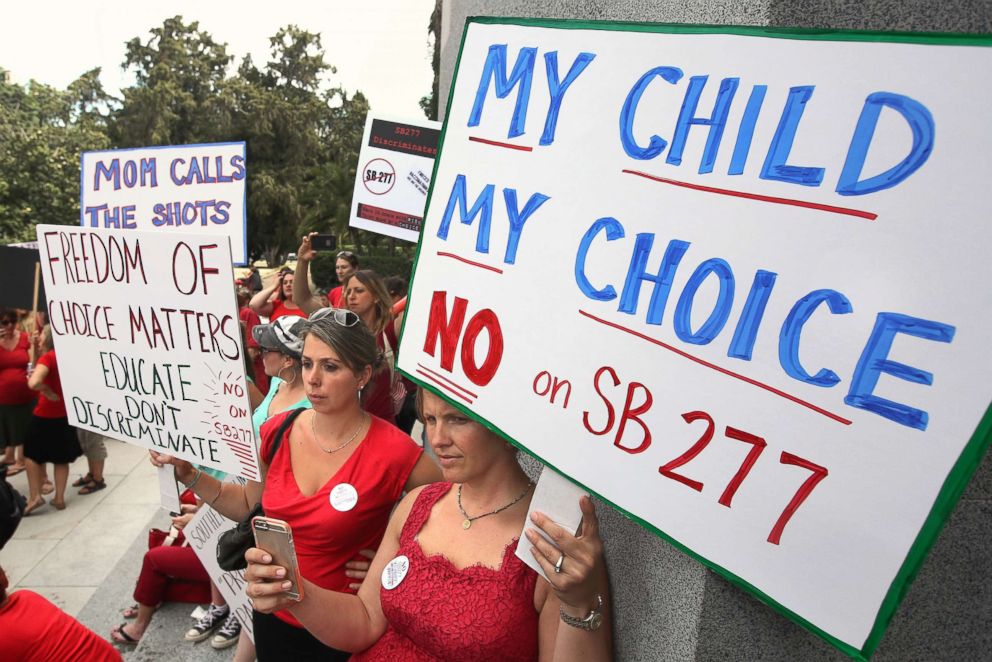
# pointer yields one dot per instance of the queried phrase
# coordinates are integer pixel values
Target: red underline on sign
(448, 381)
(496, 143)
(444, 386)
(755, 196)
(467, 261)
(753, 382)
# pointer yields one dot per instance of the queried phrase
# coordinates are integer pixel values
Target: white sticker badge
(344, 497)
(395, 572)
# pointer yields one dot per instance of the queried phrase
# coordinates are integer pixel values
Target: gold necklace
(467, 522)
(313, 428)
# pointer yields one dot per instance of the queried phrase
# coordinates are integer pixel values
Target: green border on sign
(966, 464)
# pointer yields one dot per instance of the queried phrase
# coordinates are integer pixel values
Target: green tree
(180, 74)
(42, 133)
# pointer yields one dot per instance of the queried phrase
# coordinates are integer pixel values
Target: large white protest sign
(187, 189)
(149, 343)
(202, 534)
(729, 280)
(394, 174)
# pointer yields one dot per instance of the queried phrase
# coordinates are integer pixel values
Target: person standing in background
(345, 265)
(50, 438)
(16, 399)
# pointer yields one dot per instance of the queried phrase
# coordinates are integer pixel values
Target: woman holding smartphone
(334, 478)
(445, 583)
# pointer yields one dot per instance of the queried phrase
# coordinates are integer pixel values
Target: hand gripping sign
(148, 341)
(725, 279)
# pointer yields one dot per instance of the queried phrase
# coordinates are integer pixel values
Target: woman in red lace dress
(445, 583)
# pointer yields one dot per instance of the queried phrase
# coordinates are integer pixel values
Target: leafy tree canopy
(302, 134)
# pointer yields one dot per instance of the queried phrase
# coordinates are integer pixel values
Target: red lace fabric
(441, 613)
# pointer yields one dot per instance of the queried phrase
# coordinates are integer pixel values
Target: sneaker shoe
(228, 633)
(209, 622)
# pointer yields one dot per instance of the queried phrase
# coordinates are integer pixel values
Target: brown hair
(383, 302)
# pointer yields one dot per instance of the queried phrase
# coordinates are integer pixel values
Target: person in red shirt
(367, 297)
(445, 583)
(16, 399)
(250, 319)
(345, 265)
(334, 477)
(50, 438)
(35, 630)
(276, 300)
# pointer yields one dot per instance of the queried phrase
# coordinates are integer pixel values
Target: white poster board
(185, 189)
(394, 175)
(729, 280)
(148, 341)
(202, 534)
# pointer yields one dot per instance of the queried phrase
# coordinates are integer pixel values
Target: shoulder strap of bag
(281, 432)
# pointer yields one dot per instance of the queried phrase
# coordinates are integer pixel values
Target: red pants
(172, 574)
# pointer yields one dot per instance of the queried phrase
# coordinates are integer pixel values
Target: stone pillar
(666, 605)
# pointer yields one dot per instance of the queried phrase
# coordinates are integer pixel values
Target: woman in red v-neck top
(334, 478)
(445, 583)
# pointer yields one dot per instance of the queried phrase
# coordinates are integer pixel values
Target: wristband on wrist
(196, 478)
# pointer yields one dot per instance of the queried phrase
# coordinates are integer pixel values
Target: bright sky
(380, 48)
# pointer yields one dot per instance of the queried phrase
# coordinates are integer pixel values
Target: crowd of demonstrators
(276, 300)
(49, 438)
(445, 583)
(365, 294)
(334, 476)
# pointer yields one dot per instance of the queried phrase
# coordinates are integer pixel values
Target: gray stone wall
(668, 607)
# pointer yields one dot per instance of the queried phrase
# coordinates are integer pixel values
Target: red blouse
(14, 374)
(326, 538)
(279, 309)
(438, 612)
(48, 408)
(35, 630)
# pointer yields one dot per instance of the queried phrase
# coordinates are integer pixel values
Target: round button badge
(395, 572)
(343, 497)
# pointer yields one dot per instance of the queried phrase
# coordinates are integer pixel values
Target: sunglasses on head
(341, 316)
(346, 254)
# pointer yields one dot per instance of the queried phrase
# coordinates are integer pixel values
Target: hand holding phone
(275, 537)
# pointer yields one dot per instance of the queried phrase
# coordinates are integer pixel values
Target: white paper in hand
(558, 498)
(168, 489)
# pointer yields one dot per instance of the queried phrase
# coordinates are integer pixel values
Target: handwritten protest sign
(726, 279)
(202, 533)
(149, 342)
(394, 173)
(189, 189)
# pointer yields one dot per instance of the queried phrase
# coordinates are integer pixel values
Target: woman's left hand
(581, 573)
(359, 569)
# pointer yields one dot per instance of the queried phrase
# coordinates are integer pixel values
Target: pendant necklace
(467, 522)
(313, 428)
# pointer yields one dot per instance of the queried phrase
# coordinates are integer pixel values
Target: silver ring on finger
(561, 559)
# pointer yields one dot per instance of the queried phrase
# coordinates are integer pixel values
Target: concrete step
(164, 638)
